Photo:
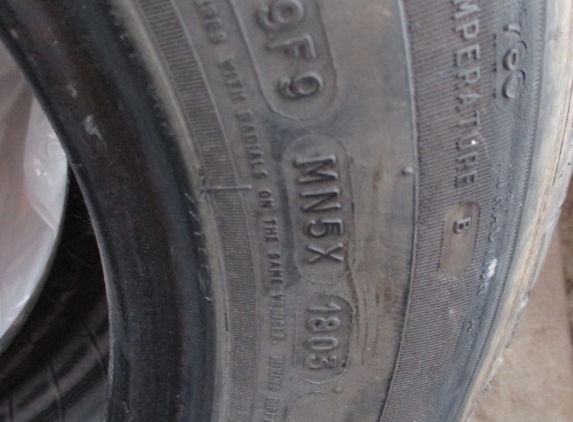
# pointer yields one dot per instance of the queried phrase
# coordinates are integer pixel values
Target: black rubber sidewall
(98, 98)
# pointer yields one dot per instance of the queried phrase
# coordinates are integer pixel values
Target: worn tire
(307, 210)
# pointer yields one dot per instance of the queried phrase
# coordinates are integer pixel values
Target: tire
(306, 210)
(56, 367)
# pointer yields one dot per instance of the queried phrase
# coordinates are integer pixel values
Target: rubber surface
(56, 367)
(366, 224)
(309, 210)
(127, 166)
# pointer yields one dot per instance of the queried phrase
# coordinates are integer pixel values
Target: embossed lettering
(266, 199)
(301, 86)
(512, 58)
(322, 228)
(277, 317)
(270, 229)
(271, 409)
(275, 269)
(317, 169)
(325, 309)
(233, 81)
(465, 8)
(475, 120)
(468, 99)
(467, 161)
(511, 85)
(469, 141)
(470, 76)
(250, 138)
(462, 225)
(271, 234)
(322, 344)
(467, 55)
(275, 285)
(290, 51)
(466, 178)
(212, 22)
(319, 191)
(300, 47)
(326, 338)
(324, 200)
(275, 373)
(512, 72)
(459, 237)
(320, 324)
(281, 15)
(469, 30)
(321, 362)
(328, 254)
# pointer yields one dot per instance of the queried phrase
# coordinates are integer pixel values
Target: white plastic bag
(33, 185)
